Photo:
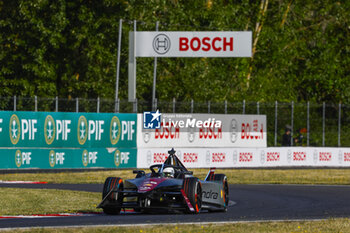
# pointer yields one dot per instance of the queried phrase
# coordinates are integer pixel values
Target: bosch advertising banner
(193, 44)
(67, 140)
(156, 130)
(250, 157)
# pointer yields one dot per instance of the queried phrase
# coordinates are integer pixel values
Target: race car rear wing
(210, 174)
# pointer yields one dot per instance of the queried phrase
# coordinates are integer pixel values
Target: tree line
(68, 48)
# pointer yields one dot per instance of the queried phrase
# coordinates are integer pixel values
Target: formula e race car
(169, 187)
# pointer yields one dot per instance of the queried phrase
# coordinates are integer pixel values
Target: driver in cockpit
(169, 172)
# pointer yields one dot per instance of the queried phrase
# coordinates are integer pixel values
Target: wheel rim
(226, 192)
(198, 197)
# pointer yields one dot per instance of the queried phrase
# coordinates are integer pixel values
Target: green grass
(235, 176)
(331, 225)
(15, 201)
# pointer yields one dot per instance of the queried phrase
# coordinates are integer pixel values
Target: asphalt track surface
(253, 202)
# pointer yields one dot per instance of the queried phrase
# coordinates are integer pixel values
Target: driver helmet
(169, 172)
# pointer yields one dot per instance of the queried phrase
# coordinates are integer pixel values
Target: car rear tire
(115, 197)
(193, 190)
(222, 179)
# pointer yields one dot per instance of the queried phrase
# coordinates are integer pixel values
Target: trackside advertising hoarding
(160, 130)
(47, 140)
(184, 44)
(31, 139)
(62, 158)
(250, 157)
(193, 44)
(64, 129)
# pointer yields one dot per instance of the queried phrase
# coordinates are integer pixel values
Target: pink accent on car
(149, 184)
(187, 200)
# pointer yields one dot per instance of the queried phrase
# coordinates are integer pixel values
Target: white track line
(48, 215)
(301, 185)
(166, 223)
(126, 212)
(21, 182)
(231, 203)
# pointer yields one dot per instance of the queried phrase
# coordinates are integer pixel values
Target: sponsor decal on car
(210, 194)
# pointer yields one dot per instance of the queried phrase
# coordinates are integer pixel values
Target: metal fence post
(36, 103)
(174, 102)
(192, 106)
(258, 108)
(135, 106)
(276, 103)
(209, 106)
(154, 77)
(339, 124)
(77, 104)
(292, 123)
(155, 104)
(225, 106)
(243, 107)
(98, 105)
(118, 65)
(308, 124)
(14, 103)
(323, 122)
(117, 105)
(56, 104)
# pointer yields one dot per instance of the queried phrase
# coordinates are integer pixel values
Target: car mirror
(139, 172)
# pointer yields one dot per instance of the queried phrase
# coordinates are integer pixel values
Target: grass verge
(331, 225)
(235, 176)
(15, 201)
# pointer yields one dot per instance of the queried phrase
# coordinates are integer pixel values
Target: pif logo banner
(67, 130)
(49, 158)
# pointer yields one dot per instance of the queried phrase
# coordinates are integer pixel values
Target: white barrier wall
(236, 131)
(249, 157)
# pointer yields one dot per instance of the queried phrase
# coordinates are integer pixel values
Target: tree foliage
(68, 48)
